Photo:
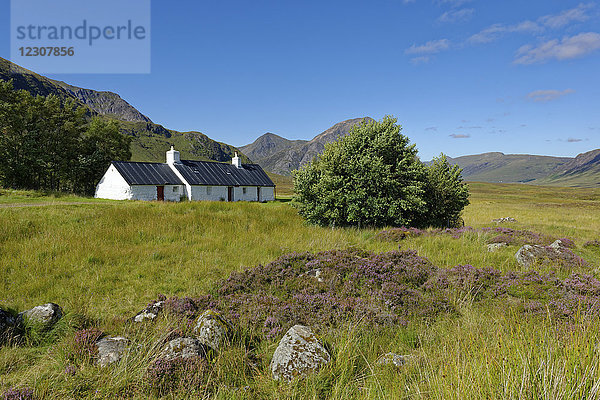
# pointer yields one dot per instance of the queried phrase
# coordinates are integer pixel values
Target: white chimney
(173, 156)
(236, 161)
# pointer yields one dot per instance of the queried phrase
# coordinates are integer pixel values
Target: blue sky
(462, 76)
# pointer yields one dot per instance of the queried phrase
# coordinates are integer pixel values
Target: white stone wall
(143, 192)
(215, 193)
(149, 192)
(267, 193)
(219, 193)
(172, 195)
(113, 186)
(250, 195)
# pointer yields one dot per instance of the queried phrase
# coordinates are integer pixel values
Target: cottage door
(229, 193)
(160, 193)
(258, 194)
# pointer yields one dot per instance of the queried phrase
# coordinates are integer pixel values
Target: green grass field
(103, 261)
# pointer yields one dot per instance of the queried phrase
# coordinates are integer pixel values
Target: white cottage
(179, 179)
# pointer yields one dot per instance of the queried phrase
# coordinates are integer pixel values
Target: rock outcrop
(394, 359)
(149, 313)
(184, 348)
(299, 352)
(504, 219)
(212, 329)
(45, 315)
(111, 349)
(529, 255)
(492, 247)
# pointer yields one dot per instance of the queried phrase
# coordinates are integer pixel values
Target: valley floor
(103, 261)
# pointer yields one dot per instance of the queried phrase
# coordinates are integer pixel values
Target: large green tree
(373, 177)
(50, 145)
(99, 144)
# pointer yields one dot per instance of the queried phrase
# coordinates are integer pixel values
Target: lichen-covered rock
(184, 348)
(394, 359)
(46, 315)
(299, 352)
(212, 329)
(528, 254)
(504, 219)
(558, 253)
(111, 349)
(492, 247)
(558, 245)
(315, 273)
(7, 325)
(150, 312)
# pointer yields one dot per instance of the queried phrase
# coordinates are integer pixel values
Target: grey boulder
(492, 247)
(504, 219)
(150, 312)
(212, 329)
(558, 246)
(529, 254)
(46, 315)
(111, 349)
(184, 348)
(393, 359)
(299, 352)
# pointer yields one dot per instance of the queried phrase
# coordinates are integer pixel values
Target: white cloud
(457, 15)
(431, 47)
(567, 48)
(454, 3)
(460, 136)
(548, 95)
(574, 140)
(577, 14)
(494, 32)
(434, 128)
(420, 60)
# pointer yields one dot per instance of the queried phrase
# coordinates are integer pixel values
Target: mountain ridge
(149, 140)
(279, 155)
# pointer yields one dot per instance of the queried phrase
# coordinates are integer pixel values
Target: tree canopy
(373, 177)
(50, 145)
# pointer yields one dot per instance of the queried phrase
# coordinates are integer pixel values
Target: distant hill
(500, 167)
(581, 171)
(150, 140)
(281, 156)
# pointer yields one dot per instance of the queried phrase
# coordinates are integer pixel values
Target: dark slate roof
(220, 174)
(147, 173)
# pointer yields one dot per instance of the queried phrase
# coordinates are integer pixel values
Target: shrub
(84, 343)
(446, 194)
(18, 394)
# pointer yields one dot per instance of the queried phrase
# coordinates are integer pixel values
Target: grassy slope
(590, 178)
(498, 167)
(107, 260)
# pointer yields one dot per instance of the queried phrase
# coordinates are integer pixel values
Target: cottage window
(244, 190)
(208, 190)
(175, 189)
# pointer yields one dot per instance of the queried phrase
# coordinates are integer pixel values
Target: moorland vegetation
(475, 324)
